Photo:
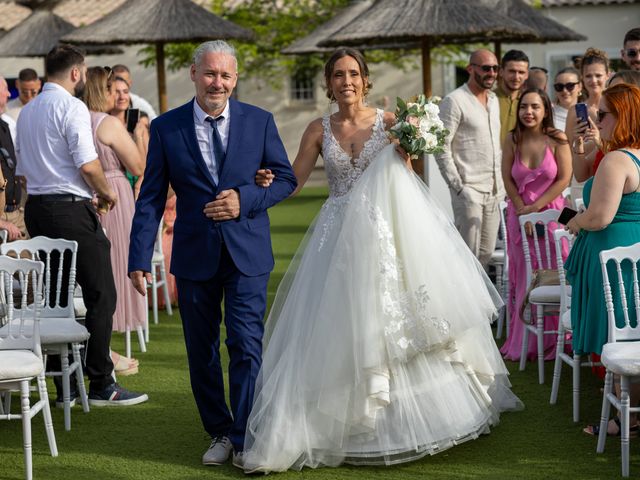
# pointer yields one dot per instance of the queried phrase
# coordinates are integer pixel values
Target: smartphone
(582, 113)
(132, 115)
(566, 215)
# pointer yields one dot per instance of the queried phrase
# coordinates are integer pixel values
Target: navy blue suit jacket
(174, 157)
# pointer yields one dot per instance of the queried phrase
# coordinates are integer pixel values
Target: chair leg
(577, 360)
(66, 386)
(127, 342)
(540, 342)
(46, 413)
(557, 366)
(140, 332)
(82, 391)
(26, 428)
(501, 320)
(624, 424)
(604, 415)
(146, 326)
(525, 345)
(154, 293)
(507, 314)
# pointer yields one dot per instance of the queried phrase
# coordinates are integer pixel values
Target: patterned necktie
(218, 149)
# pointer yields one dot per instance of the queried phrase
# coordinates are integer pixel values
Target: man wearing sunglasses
(470, 162)
(631, 51)
(28, 85)
(514, 71)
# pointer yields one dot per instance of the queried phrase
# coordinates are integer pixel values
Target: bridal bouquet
(419, 127)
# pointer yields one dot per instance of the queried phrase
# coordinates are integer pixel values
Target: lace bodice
(342, 170)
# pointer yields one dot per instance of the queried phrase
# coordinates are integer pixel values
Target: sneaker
(115, 395)
(218, 451)
(60, 402)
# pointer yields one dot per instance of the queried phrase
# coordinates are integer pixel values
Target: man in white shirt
(56, 155)
(137, 101)
(28, 85)
(470, 162)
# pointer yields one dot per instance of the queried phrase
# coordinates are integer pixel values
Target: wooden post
(419, 164)
(162, 80)
(497, 50)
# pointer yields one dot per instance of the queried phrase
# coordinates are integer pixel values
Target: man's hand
(107, 200)
(226, 206)
(139, 279)
(13, 232)
(264, 177)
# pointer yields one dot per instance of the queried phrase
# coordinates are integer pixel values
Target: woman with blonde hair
(117, 153)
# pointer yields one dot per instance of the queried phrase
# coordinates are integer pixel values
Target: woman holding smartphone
(568, 89)
(594, 68)
(612, 219)
(536, 168)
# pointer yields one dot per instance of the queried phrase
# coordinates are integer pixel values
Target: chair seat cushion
(60, 330)
(545, 294)
(157, 257)
(622, 358)
(566, 320)
(497, 257)
(15, 364)
(79, 307)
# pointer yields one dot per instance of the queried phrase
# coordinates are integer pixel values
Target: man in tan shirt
(514, 71)
(470, 163)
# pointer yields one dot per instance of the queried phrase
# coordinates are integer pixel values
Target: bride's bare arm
(308, 152)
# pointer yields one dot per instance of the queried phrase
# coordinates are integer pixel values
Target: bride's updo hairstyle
(337, 55)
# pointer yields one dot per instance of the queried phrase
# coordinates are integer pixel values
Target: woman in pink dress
(117, 152)
(536, 168)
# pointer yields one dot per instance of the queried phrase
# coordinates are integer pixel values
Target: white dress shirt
(14, 107)
(13, 129)
(204, 133)
(54, 140)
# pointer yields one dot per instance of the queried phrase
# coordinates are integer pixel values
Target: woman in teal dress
(612, 219)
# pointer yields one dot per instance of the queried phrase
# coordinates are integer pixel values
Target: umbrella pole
(497, 50)
(162, 80)
(420, 165)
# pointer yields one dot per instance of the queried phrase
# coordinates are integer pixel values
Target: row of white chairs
(620, 356)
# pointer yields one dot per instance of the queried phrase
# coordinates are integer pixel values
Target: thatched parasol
(548, 29)
(157, 22)
(311, 43)
(38, 34)
(429, 22)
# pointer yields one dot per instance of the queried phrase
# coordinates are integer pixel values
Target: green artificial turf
(164, 439)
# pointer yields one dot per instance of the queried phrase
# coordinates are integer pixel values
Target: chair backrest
(22, 329)
(561, 236)
(502, 208)
(579, 203)
(3, 235)
(157, 247)
(546, 220)
(626, 280)
(59, 257)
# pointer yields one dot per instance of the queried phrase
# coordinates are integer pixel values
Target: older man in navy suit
(209, 150)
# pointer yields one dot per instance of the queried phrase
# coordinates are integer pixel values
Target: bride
(378, 348)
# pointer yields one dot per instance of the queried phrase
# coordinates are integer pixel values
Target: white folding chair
(158, 270)
(579, 203)
(545, 299)
(574, 360)
(500, 259)
(20, 353)
(58, 327)
(621, 355)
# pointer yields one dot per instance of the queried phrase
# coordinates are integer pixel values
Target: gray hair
(213, 46)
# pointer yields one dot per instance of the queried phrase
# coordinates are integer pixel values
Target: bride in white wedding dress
(378, 348)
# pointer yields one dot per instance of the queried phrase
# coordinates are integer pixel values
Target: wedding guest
(536, 168)
(568, 89)
(611, 219)
(137, 101)
(28, 85)
(538, 78)
(514, 71)
(117, 153)
(630, 52)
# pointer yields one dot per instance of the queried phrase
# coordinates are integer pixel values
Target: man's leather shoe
(218, 451)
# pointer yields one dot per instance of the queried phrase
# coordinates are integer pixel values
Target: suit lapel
(235, 134)
(189, 133)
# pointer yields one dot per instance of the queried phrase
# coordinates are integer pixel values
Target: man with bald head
(470, 162)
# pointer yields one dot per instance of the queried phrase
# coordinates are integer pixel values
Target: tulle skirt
(378, 348)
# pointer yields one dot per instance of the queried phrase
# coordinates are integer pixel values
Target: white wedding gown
(378, 348)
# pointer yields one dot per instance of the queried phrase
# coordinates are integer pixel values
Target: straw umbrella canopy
(157, 22)
(548, 29)
(38, 34)
(312, 42)
(429, 22)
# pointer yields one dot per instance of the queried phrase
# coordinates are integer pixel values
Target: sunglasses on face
(601, 115)
(632, 52)
(569, 86)
(486, 68)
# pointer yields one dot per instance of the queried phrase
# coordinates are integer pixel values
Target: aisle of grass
(163, 439)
